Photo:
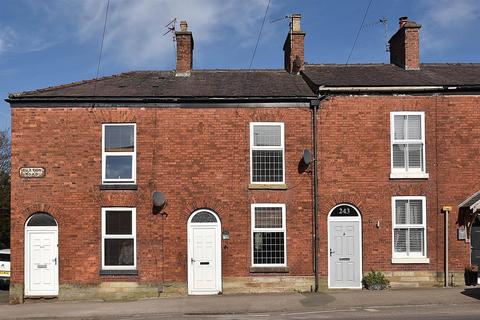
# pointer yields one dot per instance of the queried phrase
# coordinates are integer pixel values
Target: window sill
(118, 187)
(409, 175)
(104, 272)
(267, 186)
(269, 270)
(411, 260)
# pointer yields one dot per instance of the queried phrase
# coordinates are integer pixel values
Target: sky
(52, 42)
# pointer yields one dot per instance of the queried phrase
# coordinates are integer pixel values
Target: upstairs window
(119, 153)
(408, 144)
(267, 152)
(409, 225)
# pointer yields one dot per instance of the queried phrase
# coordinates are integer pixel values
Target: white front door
(41, 261)
(344, 247)
(204, 257)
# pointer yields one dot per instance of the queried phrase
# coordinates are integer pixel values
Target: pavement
(252, 304)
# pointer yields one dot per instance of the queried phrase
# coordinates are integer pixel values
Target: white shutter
(414, 127)
(415, 212)
(415, 155)
(400, 240)
(399, 127)
(401, 211)
(399, 155)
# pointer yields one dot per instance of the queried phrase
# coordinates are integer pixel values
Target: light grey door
(344, 252)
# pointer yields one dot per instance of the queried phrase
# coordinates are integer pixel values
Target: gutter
(396, 89)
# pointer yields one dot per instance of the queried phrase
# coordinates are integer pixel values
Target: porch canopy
(472, 202)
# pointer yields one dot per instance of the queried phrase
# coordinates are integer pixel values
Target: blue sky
(50, 42)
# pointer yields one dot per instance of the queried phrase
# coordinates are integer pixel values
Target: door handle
(331, 252)
(55, 260)
(192, 260)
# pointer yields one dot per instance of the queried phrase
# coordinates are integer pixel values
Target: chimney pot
(402, 21)
(183, 26)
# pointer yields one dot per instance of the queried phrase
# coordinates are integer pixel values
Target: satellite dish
(159, 200)
(307, 157)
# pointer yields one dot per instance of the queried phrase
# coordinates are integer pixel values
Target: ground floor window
(268, 235)
(118, 238)
(409, 237)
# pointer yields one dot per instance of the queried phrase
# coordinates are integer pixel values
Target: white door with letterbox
(204, 254)
(345, 247)
(41, 260)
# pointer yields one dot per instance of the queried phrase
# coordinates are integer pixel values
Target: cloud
(444, 19)
(135, 28)
(7, 36)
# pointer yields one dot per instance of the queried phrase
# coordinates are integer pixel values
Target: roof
(470, 201)
(372, 75)
(201, 83)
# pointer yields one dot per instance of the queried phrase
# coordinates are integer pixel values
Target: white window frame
(120, 236)
(414, 257)
(405, 173)
(281, 147)
(283, 229)
(130, 153)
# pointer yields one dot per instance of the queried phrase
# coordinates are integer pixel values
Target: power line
(101, 47)
(359, 30)
(259, 34)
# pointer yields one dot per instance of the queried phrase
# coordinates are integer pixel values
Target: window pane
(400, 240)
(415, 155)
(119, 252)
(268, 248)
(401, 211)
(4, 257)
(118, 222)
(416, 240)
(399, 156)
(414, 127)
(119, 167)
(267, 165)
(268, 217)
(119, 138)
(204, 216)
(267, 135)
(416, 215)
(399, 126)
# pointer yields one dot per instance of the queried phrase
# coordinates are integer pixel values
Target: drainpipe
(446, 210)
(314, 105)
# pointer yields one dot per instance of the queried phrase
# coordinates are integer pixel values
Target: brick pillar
(404, 45)
(184, 41)
(294, 46)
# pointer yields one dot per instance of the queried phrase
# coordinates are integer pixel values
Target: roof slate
(201, 83)
(374, 75)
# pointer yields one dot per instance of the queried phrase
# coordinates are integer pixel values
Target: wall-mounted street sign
(32, 172)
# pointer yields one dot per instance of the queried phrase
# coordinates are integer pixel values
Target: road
(425, 312)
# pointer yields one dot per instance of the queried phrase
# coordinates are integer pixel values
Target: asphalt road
(426, 312)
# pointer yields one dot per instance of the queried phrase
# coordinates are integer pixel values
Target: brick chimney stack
(404, 45)
(294, 46)
(184, 41)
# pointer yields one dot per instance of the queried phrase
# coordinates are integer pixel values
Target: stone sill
(118, 187)
(410, 260)
(104, 272)
(409, 175)
(267, 186)
(269, 270)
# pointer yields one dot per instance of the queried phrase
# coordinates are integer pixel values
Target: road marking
(317, 312)
(371, 310)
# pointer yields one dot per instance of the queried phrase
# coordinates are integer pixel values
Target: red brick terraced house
(225, 181)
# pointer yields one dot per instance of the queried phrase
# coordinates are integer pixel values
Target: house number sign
(344, 211)
(32, 172)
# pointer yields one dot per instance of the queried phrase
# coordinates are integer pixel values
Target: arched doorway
(204, 253)
(344, 247)
(41, 255)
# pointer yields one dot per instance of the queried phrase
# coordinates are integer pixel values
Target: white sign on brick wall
(32, 172)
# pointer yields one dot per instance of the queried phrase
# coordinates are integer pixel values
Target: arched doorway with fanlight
(204, 253)
(41, 255)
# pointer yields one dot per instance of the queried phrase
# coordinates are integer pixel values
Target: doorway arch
(204, 258)
(41, 255)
